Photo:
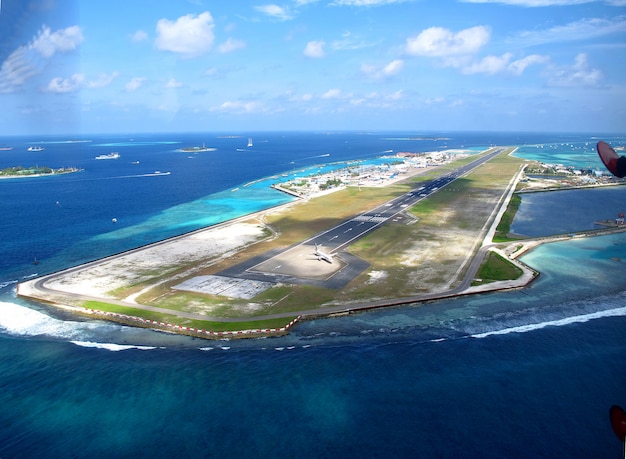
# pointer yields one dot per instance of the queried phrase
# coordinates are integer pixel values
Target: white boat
(250, 141)
(113, 155)
(35, 148)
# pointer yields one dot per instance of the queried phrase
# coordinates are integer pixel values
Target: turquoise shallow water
(526, 373)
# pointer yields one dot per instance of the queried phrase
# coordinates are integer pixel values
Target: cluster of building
(570, 174)
(366, 174)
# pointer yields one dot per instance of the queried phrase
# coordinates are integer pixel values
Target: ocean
(525, 373)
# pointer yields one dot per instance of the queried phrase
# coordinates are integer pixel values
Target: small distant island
(197, 149)
(35, 171)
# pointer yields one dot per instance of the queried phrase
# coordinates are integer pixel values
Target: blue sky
(199, 65)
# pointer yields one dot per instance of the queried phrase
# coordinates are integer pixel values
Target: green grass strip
(185, 322)
(497, 268)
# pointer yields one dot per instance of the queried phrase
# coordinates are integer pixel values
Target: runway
(298, 263)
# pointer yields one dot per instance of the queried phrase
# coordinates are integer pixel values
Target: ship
(113, 155)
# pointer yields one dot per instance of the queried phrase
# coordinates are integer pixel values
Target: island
(196, 149)
(415, 229)
(35, 171)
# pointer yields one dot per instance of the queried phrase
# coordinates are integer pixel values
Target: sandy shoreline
(141, 264)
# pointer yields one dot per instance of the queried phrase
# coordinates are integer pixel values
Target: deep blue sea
(526, 373)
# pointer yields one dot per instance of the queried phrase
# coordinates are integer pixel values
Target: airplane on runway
(322, 255)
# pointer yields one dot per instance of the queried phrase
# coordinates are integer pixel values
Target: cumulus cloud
(365, 2)
(533, 3)
(577, 75)
(49, 43)
(314, 49)
(103, 80)
(235, 106)
(517, 67)
(291, 96)
(332, 94)
(440, 42)
(491, 65)
(392, 68)
(135, 83)
(275, 11)
(188, 35)
(64, 85)
(172, 83)
(30, 60)
(231, 45)
(139, 36)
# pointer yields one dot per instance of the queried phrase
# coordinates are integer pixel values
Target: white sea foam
(7, 283)
(23, 321)
(555, 323)
(112, 346)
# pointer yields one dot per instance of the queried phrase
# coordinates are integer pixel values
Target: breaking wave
(112, 346)
(23, 321)
(554, 323)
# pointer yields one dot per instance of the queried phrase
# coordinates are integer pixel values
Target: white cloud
(172, 83)
(30, 60)
(332, 94)
(398, 95)
(299, 98)
(365, 2)
(439, 42)
(139, 36)
(189, 35)
(349, 42)
(314, 49)
(64, 85)
(517, 67)
(103, 80)
(239, 107)
(577, 75)
(534, 3)
(231, 45)
(584, 29)
(393, 68)
(48, 43)
(135, 83)
(490, 64)
(274, 11)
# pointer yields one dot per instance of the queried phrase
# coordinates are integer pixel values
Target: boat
(250, 142)
(35, 148)
(6, 148)
(113, 155)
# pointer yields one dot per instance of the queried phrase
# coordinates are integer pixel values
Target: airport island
(419, 227)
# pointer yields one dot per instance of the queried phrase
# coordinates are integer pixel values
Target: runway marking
(369, 218)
